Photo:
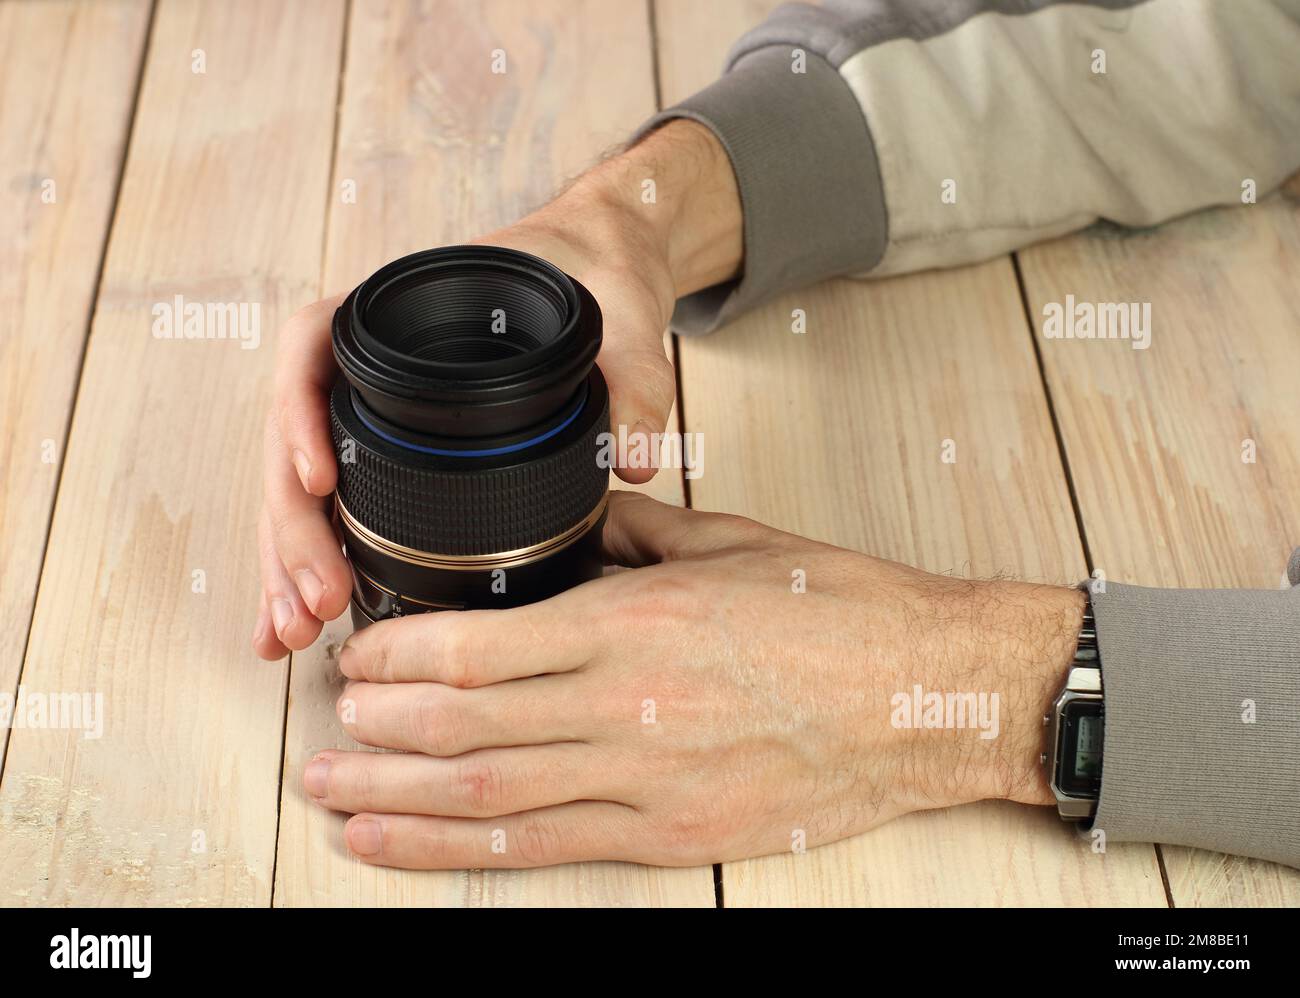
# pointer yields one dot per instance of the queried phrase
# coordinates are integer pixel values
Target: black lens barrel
(470, 506)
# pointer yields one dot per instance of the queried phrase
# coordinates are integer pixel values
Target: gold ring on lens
(472, 562)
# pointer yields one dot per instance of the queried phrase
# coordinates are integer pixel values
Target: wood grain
(68, 77)
(222, 200)
(1155, 438)
(440, 149)
(837, 434)
(227, 195)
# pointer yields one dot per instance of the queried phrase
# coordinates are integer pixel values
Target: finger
(265, 642)
(303, 536)
(472, 648)
(293, 624)
(567, 833)
(304, 373)
(641, 390)
(642, 531)
(479, 785)
(442, 721)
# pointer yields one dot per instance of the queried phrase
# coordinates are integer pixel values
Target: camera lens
(466, 423)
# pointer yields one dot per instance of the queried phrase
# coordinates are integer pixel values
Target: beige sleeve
(1010, 130)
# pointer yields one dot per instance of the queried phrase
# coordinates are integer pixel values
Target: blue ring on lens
(491, 452)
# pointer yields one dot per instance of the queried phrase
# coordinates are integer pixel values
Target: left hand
(694, 710)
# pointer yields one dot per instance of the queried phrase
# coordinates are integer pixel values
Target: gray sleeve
(1202, 738)
(805, 168)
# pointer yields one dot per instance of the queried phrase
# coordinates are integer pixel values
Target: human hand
(694, 710)
(635, 259)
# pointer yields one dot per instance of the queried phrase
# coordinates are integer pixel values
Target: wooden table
(130, 470)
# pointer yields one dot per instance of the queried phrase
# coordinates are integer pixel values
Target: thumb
(641, 390)
(641, 531)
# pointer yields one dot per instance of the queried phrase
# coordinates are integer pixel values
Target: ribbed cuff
(1202, 742)
(809, 182)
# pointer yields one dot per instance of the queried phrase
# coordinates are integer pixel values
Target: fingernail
(316, 777)
(304, 468)
(281, 616)
(364, 837)
(311, 588)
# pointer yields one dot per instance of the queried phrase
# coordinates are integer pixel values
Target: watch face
(1078, 768)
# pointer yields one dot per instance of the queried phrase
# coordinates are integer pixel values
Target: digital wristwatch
(1076, 727)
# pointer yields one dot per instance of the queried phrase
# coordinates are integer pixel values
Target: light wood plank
(1155, 437)
(441, 150)
(837, 434)
(68, 75)
(222, 200)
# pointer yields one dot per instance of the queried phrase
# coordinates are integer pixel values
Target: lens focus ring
(470, 506)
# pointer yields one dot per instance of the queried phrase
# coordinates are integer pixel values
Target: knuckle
(374, 653)
(281, 523)
(689, 834)
(457, 650)
(478, 787)
(659, 596)
(740, 527)
(282, 407)
(352, 782)
(436, 726)
(432, 840)
(537, 841)
(653, 371)
(653, 361)
(297, 417)
(287, 418)
(265, 534)
(287, 401)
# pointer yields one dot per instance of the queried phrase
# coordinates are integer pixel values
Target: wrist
(1016, 640)
(585, 233)
(666, 211)
(677, 190)
(1031, 639)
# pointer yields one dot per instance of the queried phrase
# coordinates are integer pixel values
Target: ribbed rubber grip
(480, 510)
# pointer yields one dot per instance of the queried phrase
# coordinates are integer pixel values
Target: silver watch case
(1083, 683)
